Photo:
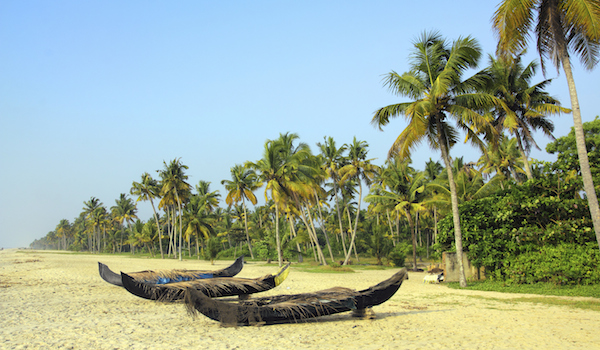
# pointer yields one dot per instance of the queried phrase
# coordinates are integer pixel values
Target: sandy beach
(51, 300)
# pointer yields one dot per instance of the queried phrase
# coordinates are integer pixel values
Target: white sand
(58, 301)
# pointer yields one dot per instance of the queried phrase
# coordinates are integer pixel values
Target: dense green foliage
(566, 151)
(538, 231)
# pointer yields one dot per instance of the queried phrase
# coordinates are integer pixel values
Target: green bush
(213, 247)
(565, 264)
(398, 255)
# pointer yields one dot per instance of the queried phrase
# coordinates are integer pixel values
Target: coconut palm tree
(561, 27)
(439, 96)
(211, 198)
(528, 106)
(503, 160)
(146, 190)
(284, 171)
(242, 185)
(90, 210)
(402, 189)
(173, 183)
(63, 231)
(333, 161)
(124, 210)
(198, 220)
(359, 168)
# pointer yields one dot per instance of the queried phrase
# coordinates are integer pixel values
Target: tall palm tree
(146, 190)
(198, 219)
(528, 106)
(284, 172)
(333, 161)
(439, 96)
(90, 207)
(403, 190)
(173, 182)
(211, 198)
(561, 27)
(503, 160)
(124, 210)
(242, 185)
(63, 230)
(359, 168)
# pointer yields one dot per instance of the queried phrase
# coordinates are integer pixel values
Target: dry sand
(58, 301)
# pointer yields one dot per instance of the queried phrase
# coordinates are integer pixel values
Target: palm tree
(173, 182)
(90, 207)
(242, 185)
(403, 190)
(528, 106)
(469, 184)
(359, 168)
(63, 230)
(124, 210)
(333, 161)
(562, 26)
(434, 83)
(146, 190)
(198, 220)
(211, 198)
(504, 160)
(284, 170)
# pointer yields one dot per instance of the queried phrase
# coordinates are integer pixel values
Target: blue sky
(93, 94)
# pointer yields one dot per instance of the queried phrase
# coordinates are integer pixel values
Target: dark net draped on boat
(294, 307)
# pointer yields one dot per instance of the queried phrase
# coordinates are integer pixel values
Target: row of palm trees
(496, 109)
(316, 198)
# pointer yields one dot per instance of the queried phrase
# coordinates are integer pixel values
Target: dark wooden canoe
(213, 287)
(170, 276)
(294, 307)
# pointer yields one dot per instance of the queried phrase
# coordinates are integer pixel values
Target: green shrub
(565, 264)
(213, 247)
(398, 256)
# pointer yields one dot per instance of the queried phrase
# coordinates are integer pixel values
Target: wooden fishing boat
(213, 287)
(170, 276)
(294, 307)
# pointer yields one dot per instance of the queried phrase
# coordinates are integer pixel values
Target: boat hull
(295, 307)
(213, 287)
(170, 276)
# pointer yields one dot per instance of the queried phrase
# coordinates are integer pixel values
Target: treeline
(313, 202)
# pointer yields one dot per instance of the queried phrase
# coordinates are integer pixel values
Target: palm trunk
(411, 227)
(246, 226)
(355, 225)
(294, 234)
(586, 174)
(352, 246)
(324, 231)
(455, 213)
(337, 206)
(313, 234)
(525, 160)
(180, 223)
(278, 242)
(162, 255)
(387, 213)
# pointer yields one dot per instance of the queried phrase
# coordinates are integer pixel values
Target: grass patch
(536, 288)
(591, 305)
(316, 268)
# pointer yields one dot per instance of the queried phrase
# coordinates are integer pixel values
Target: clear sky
(95, 93)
